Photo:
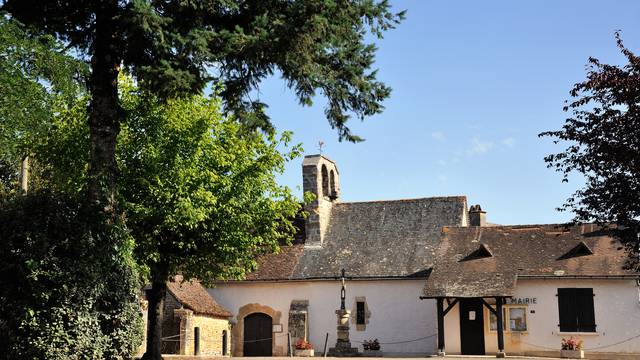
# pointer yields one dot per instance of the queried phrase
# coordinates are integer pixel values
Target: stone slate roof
(192, 295)
(277, 266)
(488, 261)
(377, 239)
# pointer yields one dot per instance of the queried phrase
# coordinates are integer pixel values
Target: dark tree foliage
(176, 47)
(69, 289)
(603, 133)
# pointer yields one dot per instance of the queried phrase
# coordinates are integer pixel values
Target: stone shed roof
(487, 261)
(376, 239)
(192, 295)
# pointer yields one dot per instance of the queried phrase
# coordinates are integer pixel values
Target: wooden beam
(500, 353)
(440, 304)
(451, 305)
(488, 306)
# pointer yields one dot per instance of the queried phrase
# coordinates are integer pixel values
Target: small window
(224, 342)
(360, 313)
(575, 310)
(517, 318)
(493, 320)
(513, 316)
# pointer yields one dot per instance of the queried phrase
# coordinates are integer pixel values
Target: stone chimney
(477, 217)
(319, 177)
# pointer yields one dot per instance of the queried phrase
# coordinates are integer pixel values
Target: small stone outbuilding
(188, 306)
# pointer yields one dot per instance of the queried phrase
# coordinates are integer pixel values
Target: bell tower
(319, 177)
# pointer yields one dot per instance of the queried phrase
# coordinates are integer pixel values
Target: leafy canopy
(603, 133)
(200, 193)
(175, 47)
(36, 75)
(199, 190)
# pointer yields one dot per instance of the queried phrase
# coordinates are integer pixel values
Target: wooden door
(257, 335)
(471, 327)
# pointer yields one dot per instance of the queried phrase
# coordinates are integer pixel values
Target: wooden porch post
(440, 304)
(501, 352)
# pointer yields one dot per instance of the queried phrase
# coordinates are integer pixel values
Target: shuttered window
(575, 308)
(360, 315)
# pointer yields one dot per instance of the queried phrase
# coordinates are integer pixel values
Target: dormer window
(581, 249)
(480, 253)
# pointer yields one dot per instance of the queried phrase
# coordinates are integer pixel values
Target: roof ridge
(526, 226)
(459, 197)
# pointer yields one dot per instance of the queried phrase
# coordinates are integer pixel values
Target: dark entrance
(257, 335)
(471, 327)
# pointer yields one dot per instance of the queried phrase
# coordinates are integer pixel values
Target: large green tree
(36, 75)
(603, 136)
(69, 289)
(175, 47)
(197, 188)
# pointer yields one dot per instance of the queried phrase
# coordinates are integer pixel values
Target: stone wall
(211, 335)
(298, 320)
(170, 325)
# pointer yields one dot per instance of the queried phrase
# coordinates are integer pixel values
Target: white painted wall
(397, 313)
(616, 307)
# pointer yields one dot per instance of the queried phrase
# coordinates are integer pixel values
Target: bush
(69, 286)
(371, 344)
(303, 344)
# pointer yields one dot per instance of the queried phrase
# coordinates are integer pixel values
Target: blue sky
(473, 82)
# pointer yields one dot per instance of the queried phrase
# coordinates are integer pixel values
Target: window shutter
(567, 310)
(585, 310)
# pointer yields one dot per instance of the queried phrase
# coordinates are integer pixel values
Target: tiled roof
(519, 252)
(192, 295)
(277, 266)
(370, 239)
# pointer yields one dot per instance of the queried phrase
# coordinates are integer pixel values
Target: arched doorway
(257, 335)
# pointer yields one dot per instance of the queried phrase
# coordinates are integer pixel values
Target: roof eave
(559, 277)
(319, 278)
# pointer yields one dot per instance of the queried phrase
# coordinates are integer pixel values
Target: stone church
(430, 275)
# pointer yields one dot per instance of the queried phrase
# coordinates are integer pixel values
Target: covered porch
(471, 323)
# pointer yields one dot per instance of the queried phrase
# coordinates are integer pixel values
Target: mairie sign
(523, 300)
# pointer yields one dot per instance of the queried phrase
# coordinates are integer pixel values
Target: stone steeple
(321, 178)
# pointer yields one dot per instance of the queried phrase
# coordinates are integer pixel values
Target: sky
(473, 83)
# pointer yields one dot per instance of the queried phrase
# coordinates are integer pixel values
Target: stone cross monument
(343, 345)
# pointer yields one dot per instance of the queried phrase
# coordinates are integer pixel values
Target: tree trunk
(104, 117)
(156, 296)
(24, 175)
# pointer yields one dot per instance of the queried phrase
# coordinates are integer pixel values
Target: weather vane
(320, 146)
(343, 292)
